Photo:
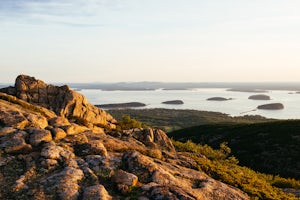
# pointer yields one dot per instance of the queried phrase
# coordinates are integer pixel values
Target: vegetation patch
(172, 119)
(271, 147)
(224, 168)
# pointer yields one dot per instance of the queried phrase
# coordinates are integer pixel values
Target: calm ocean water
(196, 99)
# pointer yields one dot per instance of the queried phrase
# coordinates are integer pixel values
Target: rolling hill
(270, 147)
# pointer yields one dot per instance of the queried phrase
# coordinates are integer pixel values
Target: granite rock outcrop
(45, 154)
(60, 99)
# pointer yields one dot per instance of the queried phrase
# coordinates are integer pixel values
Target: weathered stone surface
(38, 135)
(125, 178)
(160, 182)
(37, 120)
(62, 100)
(140, 165)
(19, 105)
(99, 130)
(58, 133)
(95, 161)
(64, 183)
(92, 147)
(12, 118)
(138, 162)
(170, 192)
(20, 114)
(96, 192)
(15, 143)
(52, 151)
(74, 129)
(49, 163)
(97, 147)
(153, 137)
(21, 181)
(59, 121)
(6, 130)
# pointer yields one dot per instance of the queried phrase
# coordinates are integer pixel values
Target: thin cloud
(79, 13)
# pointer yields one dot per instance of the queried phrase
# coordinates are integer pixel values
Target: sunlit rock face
(60, 99)
(45, 154)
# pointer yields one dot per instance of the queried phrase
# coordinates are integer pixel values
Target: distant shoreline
(150, 86)
(256, 87)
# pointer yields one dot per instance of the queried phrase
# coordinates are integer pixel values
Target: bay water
(196, 99)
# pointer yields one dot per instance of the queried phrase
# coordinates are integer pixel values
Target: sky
(157, 40)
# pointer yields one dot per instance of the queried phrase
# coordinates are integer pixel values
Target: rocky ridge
(61, 100)
(52, 149)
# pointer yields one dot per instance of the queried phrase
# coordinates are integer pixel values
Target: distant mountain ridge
(235, 86)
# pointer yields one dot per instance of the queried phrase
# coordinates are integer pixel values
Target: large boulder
(61, 99)
(64, 183)
(154, 138)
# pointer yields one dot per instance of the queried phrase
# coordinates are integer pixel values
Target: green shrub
(128, 123)
(212, 154)
(219, 166)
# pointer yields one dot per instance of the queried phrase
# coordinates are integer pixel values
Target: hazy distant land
(241, 87)
(255, 87)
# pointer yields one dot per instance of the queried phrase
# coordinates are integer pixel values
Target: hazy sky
(150, 40)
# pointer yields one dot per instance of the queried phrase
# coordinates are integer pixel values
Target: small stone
(49, 163)
(96, 192)
(39, 135)
(58, 133)
(125, 178)
(97, 148)
(52, 151)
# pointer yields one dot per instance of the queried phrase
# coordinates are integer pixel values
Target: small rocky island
(218, 99)
(259, 97)
(271, 106)
(174, 102)
(121, 105)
